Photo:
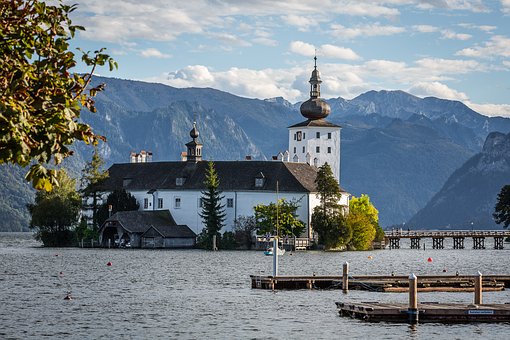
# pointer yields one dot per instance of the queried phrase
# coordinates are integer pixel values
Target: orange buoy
(370, 257)
(429, 259)
(109, 264)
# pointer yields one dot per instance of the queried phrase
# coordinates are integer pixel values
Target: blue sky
(453, 49)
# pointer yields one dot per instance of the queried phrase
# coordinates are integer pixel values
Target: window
(294, 149)
(304, 135)
(177, 204)
(295, 136)
(160, 203)
(179, 181)
(303, 149)
(329, 135)
(298, 134)
(259, 182)
(329, 149)
(230, 202)
(146, 203)
(318, 149)
(318, 134)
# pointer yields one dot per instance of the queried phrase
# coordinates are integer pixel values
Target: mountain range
(397, 148)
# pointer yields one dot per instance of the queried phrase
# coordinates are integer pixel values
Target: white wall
(310, 142)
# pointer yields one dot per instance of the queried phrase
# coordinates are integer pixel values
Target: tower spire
(315, 107)
(194, 148)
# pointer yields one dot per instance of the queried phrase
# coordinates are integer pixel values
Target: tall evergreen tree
(55, 214)
(92, 175)
(502, 209)
(213, 212)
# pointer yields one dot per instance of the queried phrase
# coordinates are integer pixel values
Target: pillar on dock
(458, 243)
(345, 277)
(478, 242)
(394, 243)
(498, 242)
(478, 289)
(275, 257)
(412, 310)
(438, 243)
(214, 247)
(415, 243)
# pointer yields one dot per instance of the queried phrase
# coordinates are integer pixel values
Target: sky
(452, 49)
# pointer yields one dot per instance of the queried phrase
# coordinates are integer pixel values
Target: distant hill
(397, 148)
(470, 194)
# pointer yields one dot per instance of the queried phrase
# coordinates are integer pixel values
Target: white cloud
(302, 23)
(505, 7)
(498, 45)
(436, 89)
(425, 28)
(506, 63)
(153, 53)
(449, 66)
(265, 41)
(340, 31)
(467, 5)
(447, 34)
(491, 110)
(326, 50)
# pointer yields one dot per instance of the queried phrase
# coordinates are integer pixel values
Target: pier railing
(392, 237)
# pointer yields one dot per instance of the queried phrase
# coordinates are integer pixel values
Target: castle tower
(194, 148)
(315, 141)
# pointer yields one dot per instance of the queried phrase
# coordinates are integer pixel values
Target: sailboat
(280, 251)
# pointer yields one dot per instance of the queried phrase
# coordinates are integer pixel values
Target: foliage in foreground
(40, 96)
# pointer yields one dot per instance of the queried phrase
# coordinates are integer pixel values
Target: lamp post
(472, 225)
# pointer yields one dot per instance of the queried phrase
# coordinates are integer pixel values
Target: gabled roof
(174, 231)
(233, 176)
(139, 221)
(316, 123)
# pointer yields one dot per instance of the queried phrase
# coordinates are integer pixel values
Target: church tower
(315, 141)
(194, 148)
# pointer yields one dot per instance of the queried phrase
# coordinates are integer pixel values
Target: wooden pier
(427, 312)
(381, 283)
(393, 237)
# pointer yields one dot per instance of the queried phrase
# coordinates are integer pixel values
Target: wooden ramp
(427, 312)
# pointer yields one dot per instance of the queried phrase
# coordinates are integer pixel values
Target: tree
(40, 96)
(92, 175)
(502, 209)
(118, 200)
(244, 227)
(55, 213)
(213, 212)
(363, 219)
(280, 219)
(327, 219)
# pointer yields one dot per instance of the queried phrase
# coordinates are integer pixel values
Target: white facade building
(178, 186)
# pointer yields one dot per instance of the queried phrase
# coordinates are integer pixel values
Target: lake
(195, 294)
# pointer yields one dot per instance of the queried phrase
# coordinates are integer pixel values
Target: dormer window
(259, 180)
(179, 181)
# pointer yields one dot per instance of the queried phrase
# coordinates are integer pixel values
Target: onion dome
(315, 107)
(194, 132)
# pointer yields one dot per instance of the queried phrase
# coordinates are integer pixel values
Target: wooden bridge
(392, 238)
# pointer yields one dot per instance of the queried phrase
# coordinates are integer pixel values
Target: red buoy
(429, 259)
(109, 264)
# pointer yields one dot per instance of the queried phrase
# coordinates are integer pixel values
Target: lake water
(194, 294)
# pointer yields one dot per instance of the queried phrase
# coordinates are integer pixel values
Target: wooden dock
(382, 283)
(392, 238)
(427, 312)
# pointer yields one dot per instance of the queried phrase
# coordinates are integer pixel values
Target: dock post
(345, 277)
(478, 289)
(412, 310)
(275, 257)
(214, 243)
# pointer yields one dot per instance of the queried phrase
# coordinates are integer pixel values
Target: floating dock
(381, 283)
(427, 312)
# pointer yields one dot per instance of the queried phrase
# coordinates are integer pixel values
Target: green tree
(92, 175)
(118, 200)
(327, 219)
(213, 212)
(55, 214)
(363, 219)
(502, 209)
(40, 96)
(280, 219)
(244, 227)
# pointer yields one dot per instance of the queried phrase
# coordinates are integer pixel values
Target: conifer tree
(213, 212)
(92, 175)
(502, 209)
